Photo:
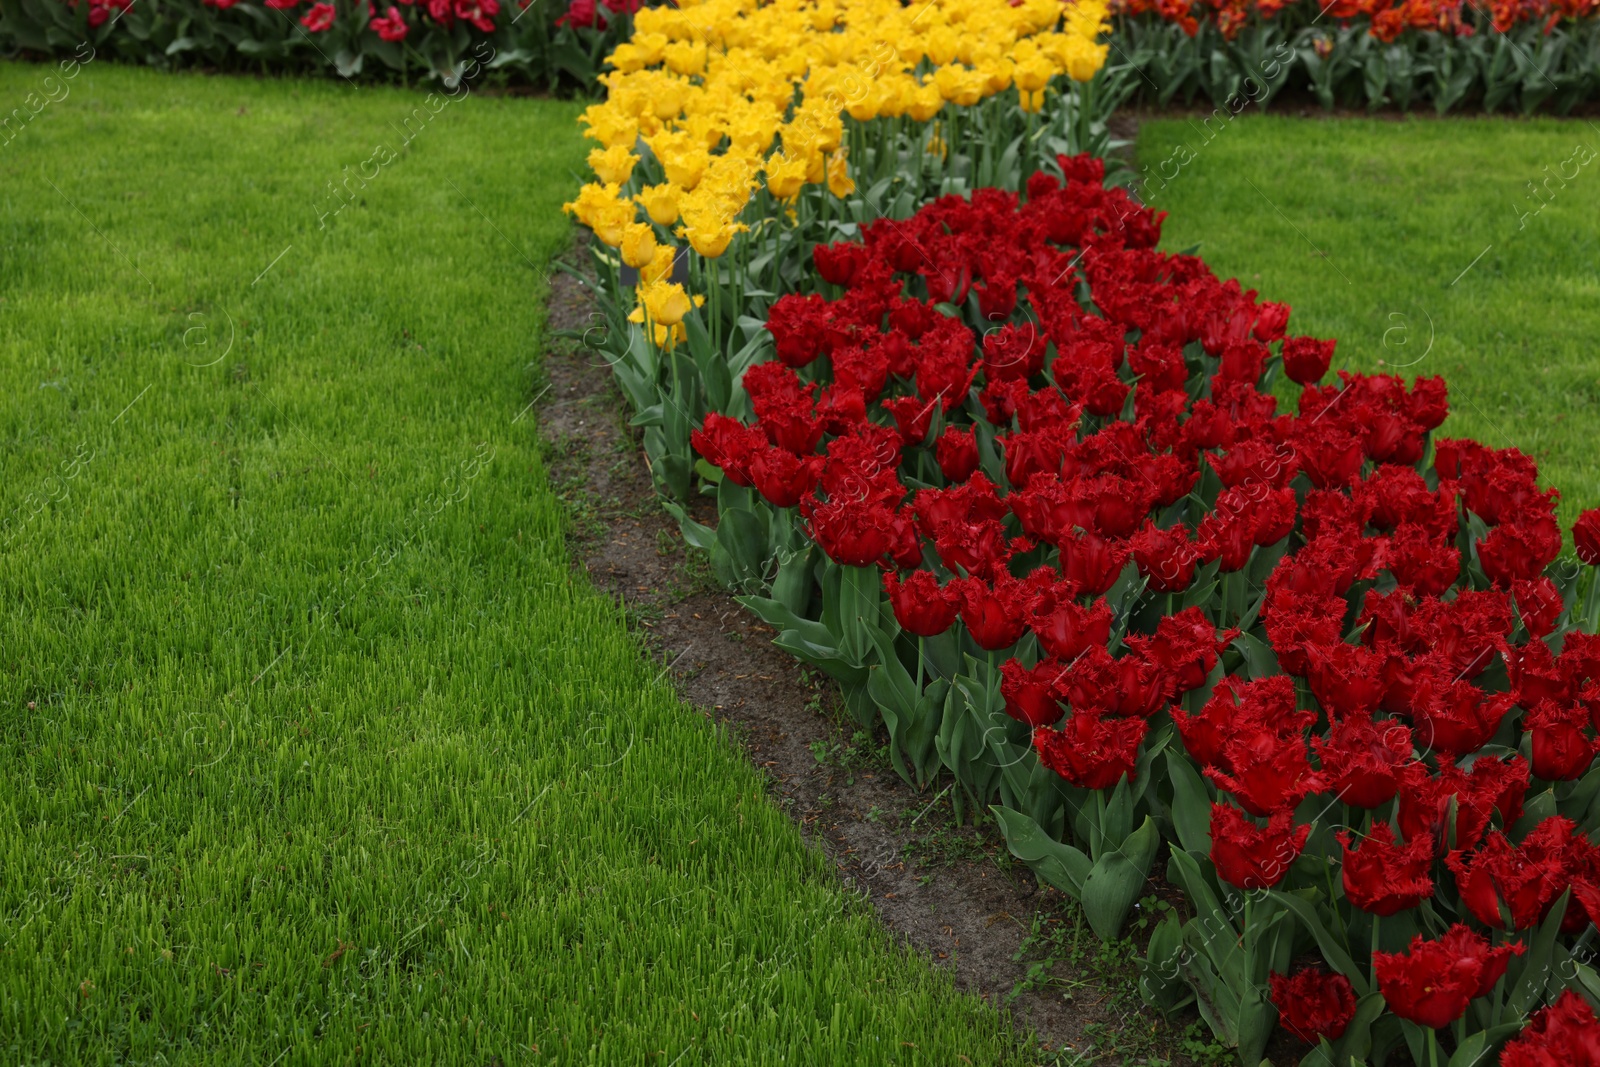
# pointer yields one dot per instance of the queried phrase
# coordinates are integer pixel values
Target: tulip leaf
(1475, 1047)
(1536, 970)
(1260, 660)
(1191, 805)
(1217, 1003)
(1577, 803)
(859, 599)
(781, 618)
(1332, 951)
(1056, 864)
(1160, 980)
(891, 687)
(1356, 1044)
(920, 737)
(1257, 1016)
(696, 534)
(742, 537)
(1116, 820)
(1213, 925)
(1153, 747)
(1117, 879)
(1535, 810)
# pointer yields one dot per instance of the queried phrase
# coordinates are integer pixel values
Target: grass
(312, 747)
(1418, 244)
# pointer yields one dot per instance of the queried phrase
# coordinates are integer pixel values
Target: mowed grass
(1420, 245)
(312, 748)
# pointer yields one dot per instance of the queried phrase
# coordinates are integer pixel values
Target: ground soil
(949, 890)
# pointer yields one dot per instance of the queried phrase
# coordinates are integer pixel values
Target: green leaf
(1117, 880)
(1191, 805)
(780, 617)
(1356, 1044)
(1160, 980)
(696, 534)
(1257, 1016)
(1536, 970)
(1332, 950)
(1054, 863)
(1258, 658)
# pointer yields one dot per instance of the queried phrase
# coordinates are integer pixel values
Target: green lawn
(1408, 242)
(311, 746)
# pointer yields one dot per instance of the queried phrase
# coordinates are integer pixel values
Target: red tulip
(1166, 557)
(1433, 982)
(957, 452)
(1523, 881)
(1066, 628)
(1090, 750)
(1362, 760)
(1561, 750)
(995, 615)
(1565, 1034)
(1032, 694)
(1493, 785)
(1314, 1004)
(1384, 878)
(1251, 856)
(920, 606)
(1586, 536)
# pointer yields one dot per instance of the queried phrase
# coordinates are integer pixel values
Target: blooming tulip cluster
(722, 114)
(1384, 19)
(1060, 450)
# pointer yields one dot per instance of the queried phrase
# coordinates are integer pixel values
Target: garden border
(775, 713)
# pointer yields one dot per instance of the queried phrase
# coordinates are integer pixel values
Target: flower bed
(454, 40)
(1525, 54)
(1069, 553)
(736, 137)
(1018, 482)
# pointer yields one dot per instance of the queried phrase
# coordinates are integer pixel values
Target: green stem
(1591, 602)
(1377, 921)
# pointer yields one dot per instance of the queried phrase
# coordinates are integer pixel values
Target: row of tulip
(1526, 54)
(1069, 554)
(1017, 481)
(451, 40)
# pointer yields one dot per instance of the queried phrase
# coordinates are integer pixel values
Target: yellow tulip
(638, 245)
(926, 104)
(940, 47)
(1034, 74)
(785, 175)
(710, 241)
(840, 184)
(652, 46)
(627, 58)
(1083, 64)
(686, 168)
(665, 303)
(661, 266)
(611, 223)
(686, 58)
(613, 165)
(661, 202)
(610, 126)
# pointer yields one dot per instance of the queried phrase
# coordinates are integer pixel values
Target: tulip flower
(1250, 856)
(1313, 1004)
(1384, 878)
(1432, 983)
